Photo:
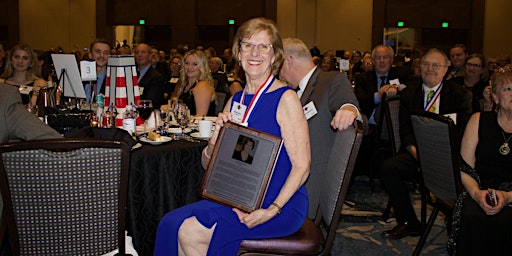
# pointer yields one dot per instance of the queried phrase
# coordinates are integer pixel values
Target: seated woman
(195, 87)
(20, 71)
(479, 227)
(209, 228)
(244, 152)
(476, 82)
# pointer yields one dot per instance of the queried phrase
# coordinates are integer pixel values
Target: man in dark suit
(99, 51)
(327, 98)
(16, 122)
(458, 56)
(369, 88)
(151, 82)
(447, 98)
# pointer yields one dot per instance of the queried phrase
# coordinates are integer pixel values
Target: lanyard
(432, 100)
(260, 92)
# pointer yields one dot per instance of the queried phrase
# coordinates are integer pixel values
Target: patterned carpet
(361, 225)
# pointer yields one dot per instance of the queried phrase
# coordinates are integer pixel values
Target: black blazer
(366, 85)
(453, 99)
(154, 87)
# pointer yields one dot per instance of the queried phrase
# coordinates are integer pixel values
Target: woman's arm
(468, 149)
(295, 133)
(38, 84)
(203, 95)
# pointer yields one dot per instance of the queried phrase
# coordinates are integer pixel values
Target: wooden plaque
(238, 179)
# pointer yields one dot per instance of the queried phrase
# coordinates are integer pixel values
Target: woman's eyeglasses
(262, 48)
(474, 65)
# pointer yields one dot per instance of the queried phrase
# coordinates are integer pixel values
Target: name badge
(238, 112)
(452, 116)
(173, 80)
(394, 81)
(309, 110)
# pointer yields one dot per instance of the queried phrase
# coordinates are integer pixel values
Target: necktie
(430, 94)
(382, 81)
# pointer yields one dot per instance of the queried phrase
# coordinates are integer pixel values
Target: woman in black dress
(480, 227)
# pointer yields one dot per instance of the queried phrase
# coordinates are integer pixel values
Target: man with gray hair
(326, 97)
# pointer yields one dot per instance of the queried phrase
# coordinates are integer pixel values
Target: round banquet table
(162, 178)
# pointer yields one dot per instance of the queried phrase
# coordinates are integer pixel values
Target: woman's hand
(256, 217)
(480, 197)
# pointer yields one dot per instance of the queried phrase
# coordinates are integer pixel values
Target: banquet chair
(316, 237)
(65, 196)
(439, 159)
(391, 109)
(390, 112)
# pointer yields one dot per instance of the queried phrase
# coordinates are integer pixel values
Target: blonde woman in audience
(20, 71)
(195, 87)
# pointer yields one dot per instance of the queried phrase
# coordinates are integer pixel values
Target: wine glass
(145, 108)
(182, 116)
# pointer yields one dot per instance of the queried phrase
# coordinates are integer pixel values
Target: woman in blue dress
(266, 104)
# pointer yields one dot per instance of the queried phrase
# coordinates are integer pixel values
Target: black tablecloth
(162, 178)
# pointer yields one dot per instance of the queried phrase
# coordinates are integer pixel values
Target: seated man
(16, 122)
(446, 97)
(331, 95)
(369, 88)
(151, 82)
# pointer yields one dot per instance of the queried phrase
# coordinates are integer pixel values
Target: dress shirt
(99, 83)
(380, 83)
(304, 82)
(142, 72)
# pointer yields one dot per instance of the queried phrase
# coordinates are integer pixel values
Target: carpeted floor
(361, 225)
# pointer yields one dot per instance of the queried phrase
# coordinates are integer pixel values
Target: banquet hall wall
(331, 24)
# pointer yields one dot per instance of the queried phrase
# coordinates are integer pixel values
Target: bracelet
(204, 152)
(278, 207)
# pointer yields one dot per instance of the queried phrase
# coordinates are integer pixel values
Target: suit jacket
(453, 99)
(154, 87)
(328, 91)
(367, 84)
(16, 123)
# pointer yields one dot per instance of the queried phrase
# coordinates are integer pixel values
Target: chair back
(336, 181)
(389, 123)
(438, 154)
(391, 108)
(65, 196)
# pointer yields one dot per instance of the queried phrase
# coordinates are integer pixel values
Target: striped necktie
(430, 95)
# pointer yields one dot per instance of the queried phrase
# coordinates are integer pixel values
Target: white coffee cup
(205, 128)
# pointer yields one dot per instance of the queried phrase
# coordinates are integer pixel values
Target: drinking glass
(145, 108)
(182, 116)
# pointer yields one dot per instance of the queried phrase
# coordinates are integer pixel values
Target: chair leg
(426, 231)
(3, 227)
(423, 210)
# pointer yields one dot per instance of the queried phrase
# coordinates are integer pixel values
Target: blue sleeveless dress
(229, 232)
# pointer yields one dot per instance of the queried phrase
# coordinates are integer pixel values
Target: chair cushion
(305, 241)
